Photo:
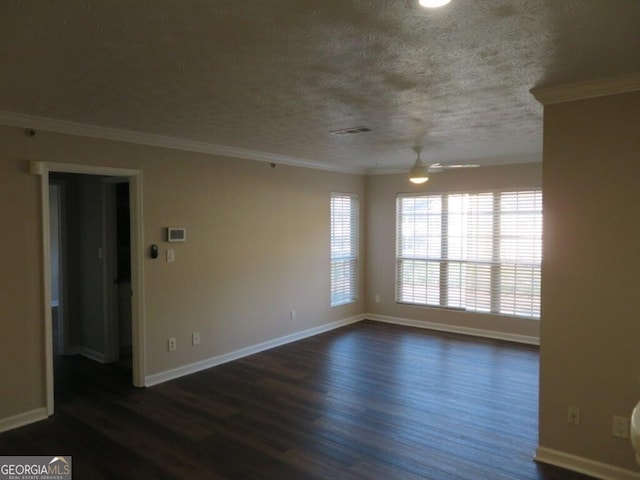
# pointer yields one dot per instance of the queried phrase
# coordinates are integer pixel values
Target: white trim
(441, 327)
(174, 373)
(40, 168)
(20, 120)
(524, 188)
(91, 354)
(87, 353)
(23, 419)
(109, 270)
(44, 168)
(585, 90)
(138, 314)
(593, 468)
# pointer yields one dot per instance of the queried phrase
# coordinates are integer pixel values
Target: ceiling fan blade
(438, 167)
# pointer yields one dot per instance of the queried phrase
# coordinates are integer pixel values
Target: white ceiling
(275, 76)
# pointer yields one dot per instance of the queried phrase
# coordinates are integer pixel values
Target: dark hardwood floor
(368, 401)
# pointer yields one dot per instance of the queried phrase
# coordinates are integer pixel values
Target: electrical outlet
(172, 344)
(573, 415)
(377, 298)
(293, 314)
(196, 338)
(620, 427)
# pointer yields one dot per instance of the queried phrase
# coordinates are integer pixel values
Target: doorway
(92, 268)
(91, 255)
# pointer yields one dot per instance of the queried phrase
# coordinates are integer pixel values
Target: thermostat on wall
(176, 234)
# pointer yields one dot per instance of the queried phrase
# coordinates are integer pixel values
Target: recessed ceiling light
(433, 3)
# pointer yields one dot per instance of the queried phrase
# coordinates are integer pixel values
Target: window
(344, 248)
(473, 251)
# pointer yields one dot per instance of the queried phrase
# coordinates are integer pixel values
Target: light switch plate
(620, 427)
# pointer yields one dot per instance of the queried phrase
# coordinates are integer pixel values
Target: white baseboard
(592, 468)
(23, 419)
(172, 374)
(92, 354)
(86, 352)
(441, 327)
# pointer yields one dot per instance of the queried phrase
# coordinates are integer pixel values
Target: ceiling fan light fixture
(433, 3)
(418, 173)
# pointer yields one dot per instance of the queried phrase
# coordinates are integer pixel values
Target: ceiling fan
(420, 170)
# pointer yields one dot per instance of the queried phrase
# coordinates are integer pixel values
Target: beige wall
(590, 350)
(22, 373)
(258, 247)
(381, 243)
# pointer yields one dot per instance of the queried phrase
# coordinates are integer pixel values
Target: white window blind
(344, 248)
(473, 251)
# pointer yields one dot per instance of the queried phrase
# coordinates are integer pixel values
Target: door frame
(137, 256)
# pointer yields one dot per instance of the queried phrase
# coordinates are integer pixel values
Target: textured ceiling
(276, 76)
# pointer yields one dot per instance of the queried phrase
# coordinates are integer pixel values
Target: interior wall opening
(90, 265)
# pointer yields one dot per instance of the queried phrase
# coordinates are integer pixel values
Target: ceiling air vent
(350, 131)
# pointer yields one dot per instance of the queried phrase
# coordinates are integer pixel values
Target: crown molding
(388, 171)
(588, 89)
(13, 119)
